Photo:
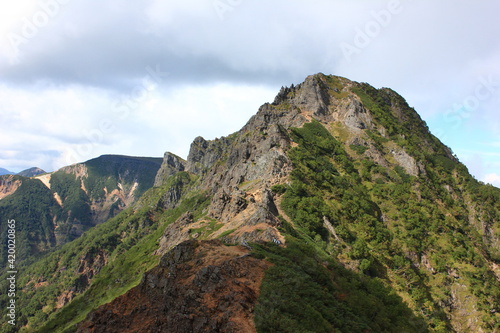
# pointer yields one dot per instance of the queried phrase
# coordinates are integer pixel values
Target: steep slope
(198, 287)
(369, 222)
(30, 204)
(103, 263)
(108, 183)
(52, 209)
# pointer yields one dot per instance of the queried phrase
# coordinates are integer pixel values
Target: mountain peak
(31, 172)
(338, 191)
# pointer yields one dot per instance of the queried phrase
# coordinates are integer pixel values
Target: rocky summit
(334, 209)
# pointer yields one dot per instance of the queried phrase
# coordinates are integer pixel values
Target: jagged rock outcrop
(249, 217)
(203, 154)
(171, 165)
(405, 161)
(174, 194)
(252, 160)
(309, 96)
(354, 115)
(197, 287)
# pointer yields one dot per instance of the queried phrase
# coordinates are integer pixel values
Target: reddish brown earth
(199, 286)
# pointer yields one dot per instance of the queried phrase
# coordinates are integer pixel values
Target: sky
(79, 79)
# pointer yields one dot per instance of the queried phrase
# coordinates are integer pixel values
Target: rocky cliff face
(170, 166)
(238, 171)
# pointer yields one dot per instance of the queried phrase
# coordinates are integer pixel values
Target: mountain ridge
(338, 185)
(387, 113)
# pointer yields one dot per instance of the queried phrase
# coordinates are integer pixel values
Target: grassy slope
(32, 206)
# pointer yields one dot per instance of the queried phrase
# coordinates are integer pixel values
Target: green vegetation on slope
(102, 264)
(405, 232)
(32, 206)
(109, 170)
(305, 291)
(75, 215)
(42, 222)
(402, 123)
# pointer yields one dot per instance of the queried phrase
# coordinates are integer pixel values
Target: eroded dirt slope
(199, 286)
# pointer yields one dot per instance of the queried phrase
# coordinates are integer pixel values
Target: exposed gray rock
(174, 194)
(218, 205)
(203, 154)
(263, 215)
(253, 236)
(406, 161)
(312, 96)
(258, 153)
(174, 234)
(268, 202)
(354, 115)
(421, 168)
(170, 166)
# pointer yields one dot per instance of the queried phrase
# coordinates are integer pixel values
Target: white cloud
(51, 128)
(492, 178)
(40, 123)
(74, 69)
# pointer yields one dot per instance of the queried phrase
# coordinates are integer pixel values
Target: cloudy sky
(83, 78)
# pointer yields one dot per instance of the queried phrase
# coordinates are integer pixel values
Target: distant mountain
(6, 172)
(334, 209)
(54, 208)
(31, 172)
